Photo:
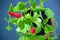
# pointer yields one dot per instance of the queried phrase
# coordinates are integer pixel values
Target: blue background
(11, 35)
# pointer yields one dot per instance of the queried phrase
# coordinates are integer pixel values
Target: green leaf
(48, 29)
(41, 3)
(43, 0)
(19, 34)
(21, 24)
(38, 29)
(35, 16)
(18, 29)
(10, 8)
(28, 16)
(31, 37)
(39, 25)
(13, 20)
(39, 9)
(49, 13)
(40, 38)
(21, 5)
(8, 28)
(28, 19)
(25, 10)
(26, 38)
(45, 21)
(15, 9)
(26, 28)
(50, 38)
(33, 4)
(22, 38)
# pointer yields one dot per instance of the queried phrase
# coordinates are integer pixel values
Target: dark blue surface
(11, 35)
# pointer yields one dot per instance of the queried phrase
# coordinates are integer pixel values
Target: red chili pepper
(32, 30)
(11, 14)
(17, 15)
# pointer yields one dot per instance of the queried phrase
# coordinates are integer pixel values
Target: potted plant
(33, 22)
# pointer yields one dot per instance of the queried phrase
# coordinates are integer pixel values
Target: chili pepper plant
(29, 23)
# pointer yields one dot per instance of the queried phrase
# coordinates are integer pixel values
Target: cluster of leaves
(25, 22)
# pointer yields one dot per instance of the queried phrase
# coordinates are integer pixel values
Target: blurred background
(11, 35)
